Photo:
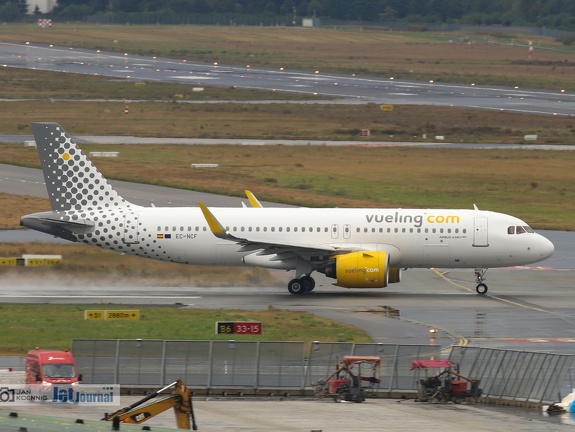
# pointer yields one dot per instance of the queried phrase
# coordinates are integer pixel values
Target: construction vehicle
(446, 386)
(345, 384)
(179, 399)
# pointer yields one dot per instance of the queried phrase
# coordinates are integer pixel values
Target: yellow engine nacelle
(361, 270)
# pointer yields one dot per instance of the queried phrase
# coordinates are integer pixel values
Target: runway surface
(351, 89)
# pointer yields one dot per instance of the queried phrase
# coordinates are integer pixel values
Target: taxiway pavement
(297, 415)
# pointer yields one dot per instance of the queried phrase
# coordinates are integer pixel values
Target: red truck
(48, 367)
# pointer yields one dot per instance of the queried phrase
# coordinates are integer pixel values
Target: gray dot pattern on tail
(73, 181)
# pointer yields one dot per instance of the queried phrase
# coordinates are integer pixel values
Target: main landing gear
(302, 285)
(481, 288)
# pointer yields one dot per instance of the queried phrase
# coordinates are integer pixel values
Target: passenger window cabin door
(480, 232)
(335, 231)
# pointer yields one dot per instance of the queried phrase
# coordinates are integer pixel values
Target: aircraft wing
(282, 250)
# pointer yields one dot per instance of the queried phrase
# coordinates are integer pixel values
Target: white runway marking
(193, 77)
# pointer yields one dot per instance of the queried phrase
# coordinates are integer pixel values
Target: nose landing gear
(481, 288)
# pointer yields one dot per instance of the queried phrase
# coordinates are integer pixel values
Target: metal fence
(503, 374)
(237, 364)
(514, 375)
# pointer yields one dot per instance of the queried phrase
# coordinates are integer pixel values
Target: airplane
(359, 248)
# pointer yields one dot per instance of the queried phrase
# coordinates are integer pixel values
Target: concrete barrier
(105, 154)
(205, 165)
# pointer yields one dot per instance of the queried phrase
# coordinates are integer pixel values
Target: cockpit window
(519, 229)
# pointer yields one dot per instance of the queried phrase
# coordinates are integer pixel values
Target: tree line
(541, 13)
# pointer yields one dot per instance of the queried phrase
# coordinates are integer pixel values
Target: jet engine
(366, 269)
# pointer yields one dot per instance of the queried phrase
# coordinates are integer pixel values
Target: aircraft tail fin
(73, 182)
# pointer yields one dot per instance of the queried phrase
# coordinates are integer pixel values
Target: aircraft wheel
(296, 287)
(481, 288)
(308, 282)
(338, 398)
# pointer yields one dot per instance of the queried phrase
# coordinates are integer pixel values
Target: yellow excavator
(179, 399)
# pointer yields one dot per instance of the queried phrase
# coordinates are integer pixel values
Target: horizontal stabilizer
(68, 224)
(50, 222)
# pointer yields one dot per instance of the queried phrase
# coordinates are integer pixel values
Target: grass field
(53, 326)
(287, 121)
(449, 57)
(537, 185)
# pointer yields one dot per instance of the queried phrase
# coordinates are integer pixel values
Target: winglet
(475, 207)
(215, 226)
(213, 223)
(254, 202)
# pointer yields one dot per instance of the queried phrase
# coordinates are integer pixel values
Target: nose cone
(546, 248)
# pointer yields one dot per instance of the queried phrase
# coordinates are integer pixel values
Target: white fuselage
(413, 238)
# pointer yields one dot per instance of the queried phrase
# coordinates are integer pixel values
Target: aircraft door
(346, 231)
(131, 228)
(480, 232)
(334, 231)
